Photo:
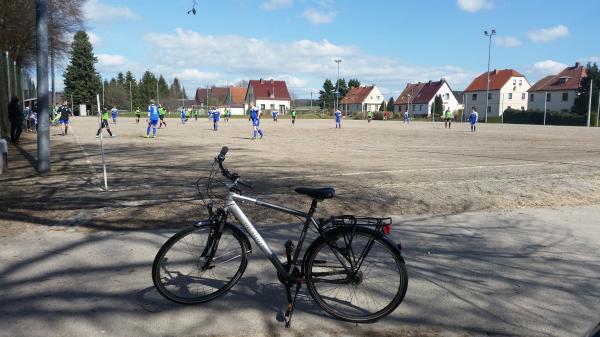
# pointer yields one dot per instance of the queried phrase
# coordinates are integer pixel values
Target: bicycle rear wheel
(180, 272)
(356, 275)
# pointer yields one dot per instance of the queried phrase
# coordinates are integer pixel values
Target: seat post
(313, 207)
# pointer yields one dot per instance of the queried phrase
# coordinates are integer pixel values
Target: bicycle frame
(234, 208)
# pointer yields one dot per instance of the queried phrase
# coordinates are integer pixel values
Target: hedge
(513, 116)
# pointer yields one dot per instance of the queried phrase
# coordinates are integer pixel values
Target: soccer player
(406, 117)
(473, 117)
(448, 115)
(161, 114)
(275, 113)
(369, 116)
(183, 117)
(138, 113)
(293, 114)
(255, 118)
(227, 114)
(338, 119)
(153, 116)
(216, 114)
(195, 113)
(64, 112)
(104, 124)
(114, 112)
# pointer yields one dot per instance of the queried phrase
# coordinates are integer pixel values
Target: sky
(386, 43)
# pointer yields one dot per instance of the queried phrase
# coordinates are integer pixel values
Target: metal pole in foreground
(102, 142)
(337, 85)
(130, 99)
(8, 77)
(590, 104)
(22, 88)
(43, 133)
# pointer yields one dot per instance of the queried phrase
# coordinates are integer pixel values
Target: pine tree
(163, 87)
(327, 95)
(80, 77)
(353, 83)
(147, 88)
(175, 91)
(343, 88)
(581, 103)
(390, 105)
(382, 106)
(438, 105)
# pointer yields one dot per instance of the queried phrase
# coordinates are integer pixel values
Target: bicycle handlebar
(234, 177)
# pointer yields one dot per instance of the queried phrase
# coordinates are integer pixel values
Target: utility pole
(487, 89)
(598, 112)
(545, 103)
(130, 98)
(590, 104)
(102, 93)
(43, 133)
(157, 98)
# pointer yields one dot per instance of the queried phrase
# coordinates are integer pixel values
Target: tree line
(83, 83)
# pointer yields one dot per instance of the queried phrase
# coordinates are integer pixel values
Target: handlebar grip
(223, 152)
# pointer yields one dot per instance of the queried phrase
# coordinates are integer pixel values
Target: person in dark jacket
(16, 119)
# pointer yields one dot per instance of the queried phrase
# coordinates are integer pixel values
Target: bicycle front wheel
(180, 271)
(356, 275)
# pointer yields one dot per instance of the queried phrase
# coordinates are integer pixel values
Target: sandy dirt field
(379, 168)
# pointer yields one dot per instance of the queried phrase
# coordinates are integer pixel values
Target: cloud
(95, 40)
(110, 62)
(547, 67)
(548, 34)
(99, 12)
(200, 59)
(472, 6)
(317, 18)
(272, 5)
(508, 42)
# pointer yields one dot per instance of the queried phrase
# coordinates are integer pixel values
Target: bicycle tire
(180, 288)
(382, 259)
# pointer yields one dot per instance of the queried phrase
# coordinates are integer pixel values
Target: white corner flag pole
(101, 142)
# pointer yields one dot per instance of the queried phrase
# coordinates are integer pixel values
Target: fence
(14, 81)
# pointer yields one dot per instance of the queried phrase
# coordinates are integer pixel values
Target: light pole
(157, 98)
(590, 104)
(337, 84)
(545, 102)
(408, 106)
(102, 93)
(487, 88)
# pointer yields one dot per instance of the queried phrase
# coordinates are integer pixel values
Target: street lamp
(408, 106)
(337, 84)
(487, 88)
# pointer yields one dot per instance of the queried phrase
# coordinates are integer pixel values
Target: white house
(507, 89)
(557, 92)
(420, 98)
(362, 100)
(268, 95)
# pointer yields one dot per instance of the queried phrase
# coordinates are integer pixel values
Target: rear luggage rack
(382, 225)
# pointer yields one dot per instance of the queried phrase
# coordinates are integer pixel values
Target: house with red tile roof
(557, 92)
(508, 89)
(268, 95)
(361, 100)
(222, 97)
(419, 98)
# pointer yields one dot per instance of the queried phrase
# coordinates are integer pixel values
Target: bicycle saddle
(317, 193)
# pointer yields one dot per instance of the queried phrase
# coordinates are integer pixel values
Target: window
(523, 95)
(377, 98)
(510, 95)
(474, 97)
(489, 95)
(262, 106)
(489, 108)
(548, 97)
(530, 97)
(272, 106)
(520, 82)
(420, 107)
(413, 107)
(447, 96)
(565, 96)
(282, 108)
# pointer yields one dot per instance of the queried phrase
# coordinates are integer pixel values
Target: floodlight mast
(487, 88)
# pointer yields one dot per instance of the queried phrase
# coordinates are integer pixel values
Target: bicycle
(202, 262)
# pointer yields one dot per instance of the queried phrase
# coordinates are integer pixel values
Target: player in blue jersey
(153, 116)
(275, 113)
(255, 118)
(183, 115)
(338, 119)
(216, 116)
(114, 113)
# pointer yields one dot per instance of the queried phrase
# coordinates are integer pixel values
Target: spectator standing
(16, 119)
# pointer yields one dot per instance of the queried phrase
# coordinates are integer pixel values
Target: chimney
(577, 64)
(262, 81)
(494, 72)
(429, 82)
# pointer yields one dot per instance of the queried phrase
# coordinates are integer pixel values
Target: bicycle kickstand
(291, 304)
